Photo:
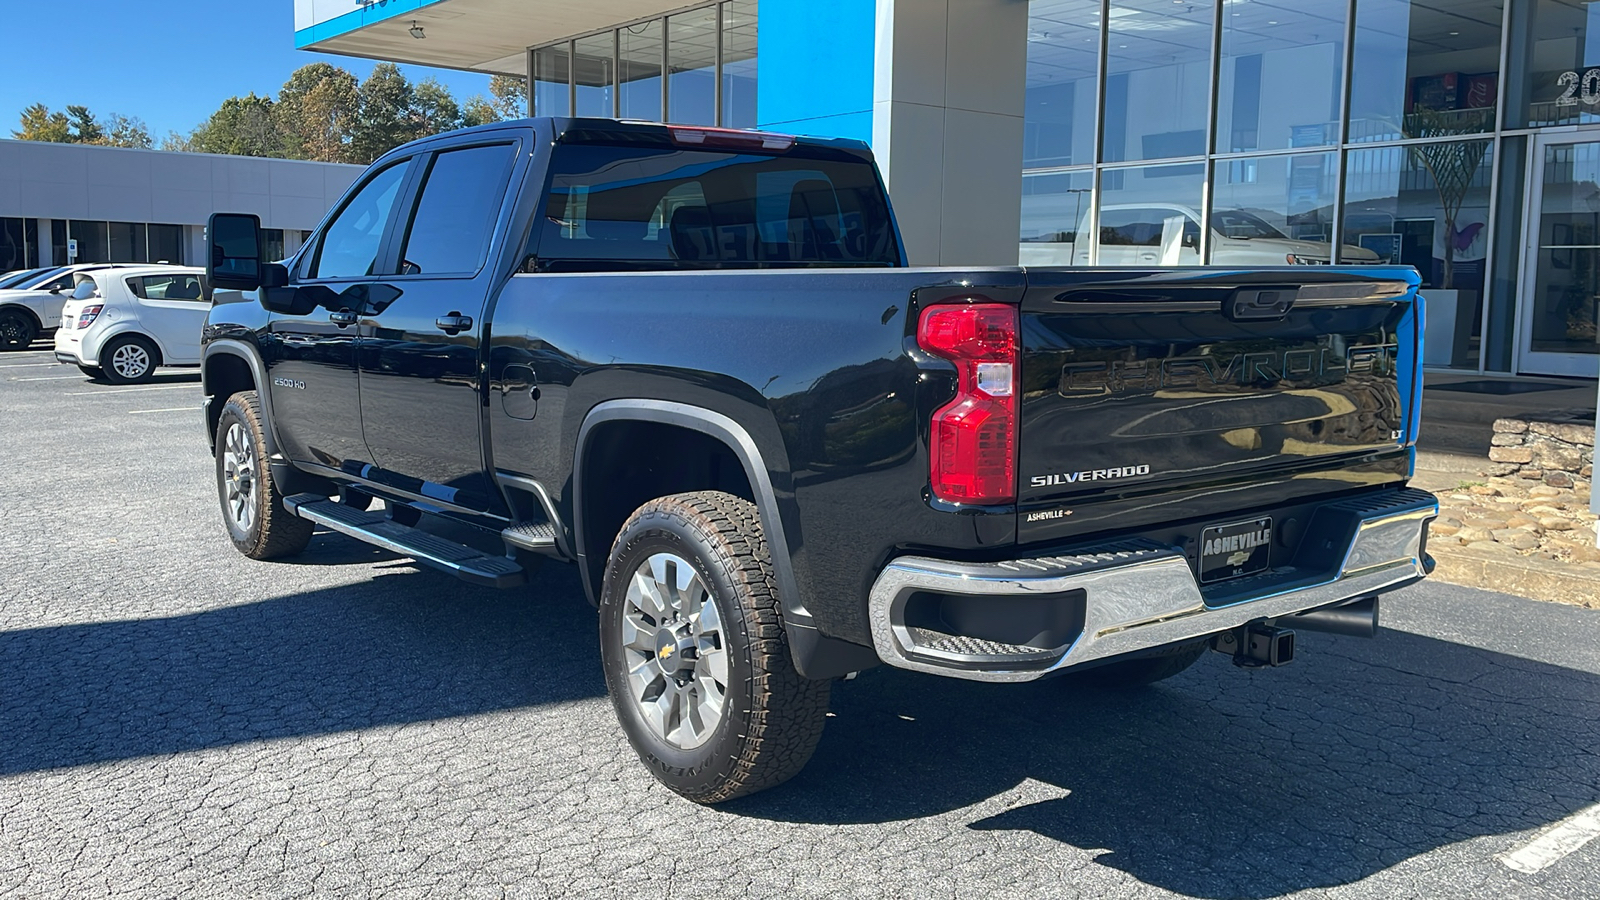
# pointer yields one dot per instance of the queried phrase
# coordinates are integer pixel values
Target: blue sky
(169, 62)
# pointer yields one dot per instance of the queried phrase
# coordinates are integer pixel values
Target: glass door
(1561, 275)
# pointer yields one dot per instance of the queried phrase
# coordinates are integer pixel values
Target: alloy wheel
(239, 476)
(131, 361)
(673, 645)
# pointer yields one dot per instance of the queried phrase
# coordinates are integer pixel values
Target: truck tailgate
(1153, 396)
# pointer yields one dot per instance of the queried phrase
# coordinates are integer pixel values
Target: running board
(467, 563)
(535, 537)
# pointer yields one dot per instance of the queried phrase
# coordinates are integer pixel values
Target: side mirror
(233, 251)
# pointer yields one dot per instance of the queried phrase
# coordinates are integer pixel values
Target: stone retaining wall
(1559, 454)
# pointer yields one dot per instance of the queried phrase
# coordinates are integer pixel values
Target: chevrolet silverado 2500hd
(694, 363)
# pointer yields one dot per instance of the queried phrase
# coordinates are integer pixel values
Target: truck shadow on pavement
(409, 647)
(1222, 782)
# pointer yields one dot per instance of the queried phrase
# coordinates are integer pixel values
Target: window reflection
(1150, 216)
(1280, 74)
(1555, 63)
(639, 48)
(1055, 212)
(691, 67)
(1158, 75)
(551, 70)
(1424, 69)
(592, 74)
(739, 64)
(1275, 211)
(1062, 85)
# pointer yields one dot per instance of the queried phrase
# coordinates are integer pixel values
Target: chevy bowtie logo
(665, 651)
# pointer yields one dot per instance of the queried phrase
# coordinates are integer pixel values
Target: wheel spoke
(663, 568)
(709, 621)
(707, 707)
(636, 638)
(713, 665)
(645, 596)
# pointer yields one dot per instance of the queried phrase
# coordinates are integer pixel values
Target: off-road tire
(772, 717)
(110, 366)
(17, 329)
(1136, 673)
(273, 532)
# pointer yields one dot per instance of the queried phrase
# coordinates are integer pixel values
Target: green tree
(175, 142)
(510, 95)
(85, 128)
(478, 110)
(433, 110)
(40, 124)
(316, 112)
(243, 126)
(384, 120)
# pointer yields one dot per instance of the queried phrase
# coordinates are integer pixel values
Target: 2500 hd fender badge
(1090, 475)
(289, 383)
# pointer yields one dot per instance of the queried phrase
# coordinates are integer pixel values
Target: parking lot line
(158, 387)
(52, 378)
(140, 412)
(1569, 834)
(28, 365)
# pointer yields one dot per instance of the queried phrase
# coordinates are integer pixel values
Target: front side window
(352, 240)
(639, 207)
(456, 212)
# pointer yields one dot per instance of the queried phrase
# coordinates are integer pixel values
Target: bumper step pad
(467, 563)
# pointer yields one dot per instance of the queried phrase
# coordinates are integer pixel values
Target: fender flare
(815, 655)
(258, 373)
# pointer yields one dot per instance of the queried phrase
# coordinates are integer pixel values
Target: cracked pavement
(177, 720)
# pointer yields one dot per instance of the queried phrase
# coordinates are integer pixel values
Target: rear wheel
(17, 329)
(1136, 673)
(252, 508)
(694, 651)
(129, 359)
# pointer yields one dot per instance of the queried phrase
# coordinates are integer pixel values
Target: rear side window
(167, 287)
(653, 207)
(457, 210)
(351, 241)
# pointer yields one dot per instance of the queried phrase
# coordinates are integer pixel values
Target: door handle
(454, 323)
(342, 318)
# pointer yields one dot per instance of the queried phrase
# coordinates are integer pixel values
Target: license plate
(1235, 549)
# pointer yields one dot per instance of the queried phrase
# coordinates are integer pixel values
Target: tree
(85, 129)
(478, 110)
(383, 121)
(123, 131)
(40, 124)
(175, 142)
(316, 112)
(243, 126)
(433, 110)
(1453, 164)
(510, 95)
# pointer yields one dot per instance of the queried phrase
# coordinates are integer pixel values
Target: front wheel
(695, 655)
(252, 508)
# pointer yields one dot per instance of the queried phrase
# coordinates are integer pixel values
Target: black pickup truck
(694, 363)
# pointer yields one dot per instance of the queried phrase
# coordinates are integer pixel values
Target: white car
(1168, 234)
(33, 305)
(122, 323)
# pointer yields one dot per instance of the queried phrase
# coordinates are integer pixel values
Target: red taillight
(88, 313)
(974, 436)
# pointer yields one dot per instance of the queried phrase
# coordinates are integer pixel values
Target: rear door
(172, 308)
(421, 397)
(311, 358)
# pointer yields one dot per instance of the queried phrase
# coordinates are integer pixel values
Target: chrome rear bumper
(1139, 595)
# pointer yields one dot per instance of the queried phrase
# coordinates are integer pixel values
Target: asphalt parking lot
(177, 720)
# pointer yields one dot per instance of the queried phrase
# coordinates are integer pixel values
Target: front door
(311, 358)
(1561, 266)
(421, 387)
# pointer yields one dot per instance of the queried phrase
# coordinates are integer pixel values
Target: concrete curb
(1505, 571)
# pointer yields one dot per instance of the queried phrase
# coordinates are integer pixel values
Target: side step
(535, 537)
(466, 563)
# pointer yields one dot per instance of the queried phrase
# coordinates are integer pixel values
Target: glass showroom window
(639, 50)
(1280, 75)
(94, 241)
(1158, 75)
(19, 244)
(692, 67)
(128, 242)
(551, 80)
(592, 75)
(1274, 211)
(1062, 82)
(1424, 69)
(1055, 218)
(1554, 64)
(1426, 206)
(1150, 215)
(739, 64)
(166, 244)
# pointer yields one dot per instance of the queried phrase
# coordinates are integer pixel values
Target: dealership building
(62, 203)
(1461, 137)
